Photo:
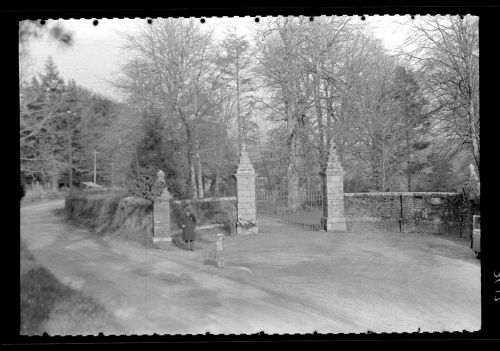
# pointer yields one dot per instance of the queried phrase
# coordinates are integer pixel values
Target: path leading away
(291, 282)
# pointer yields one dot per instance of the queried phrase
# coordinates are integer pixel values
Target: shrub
(177, 214)
(94, 208)
(207, 212)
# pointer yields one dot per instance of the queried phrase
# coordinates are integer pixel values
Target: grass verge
(49, 306)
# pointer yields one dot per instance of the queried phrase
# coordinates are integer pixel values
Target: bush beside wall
(211, 211)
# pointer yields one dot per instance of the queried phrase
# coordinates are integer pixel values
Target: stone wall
(219, 211)
(420, 211)
(112, 213)
(129, 217)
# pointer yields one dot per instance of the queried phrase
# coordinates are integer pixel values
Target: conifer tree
(152, 156)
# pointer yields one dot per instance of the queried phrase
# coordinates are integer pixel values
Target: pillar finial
(245, 165)
(160, 177)
(333, 161)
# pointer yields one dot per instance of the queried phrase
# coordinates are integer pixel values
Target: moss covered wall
(117, 213)
(112, 213)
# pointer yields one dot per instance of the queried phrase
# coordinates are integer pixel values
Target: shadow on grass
(49, 306)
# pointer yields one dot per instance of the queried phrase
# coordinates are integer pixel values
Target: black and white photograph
(242, 175)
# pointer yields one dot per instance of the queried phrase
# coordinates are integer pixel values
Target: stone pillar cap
(165, 194)
(245, 165)
(333, 163)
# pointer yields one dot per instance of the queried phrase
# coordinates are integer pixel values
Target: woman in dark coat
(188, 229)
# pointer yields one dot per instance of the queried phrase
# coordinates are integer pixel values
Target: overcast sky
(96, 55)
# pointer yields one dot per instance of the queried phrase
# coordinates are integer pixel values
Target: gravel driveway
(284, 282)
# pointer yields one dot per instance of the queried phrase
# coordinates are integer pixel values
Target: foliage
(292, 92)
(445, 49)
(152, 156)
(245, 225)
(61, 124)
(235, 66)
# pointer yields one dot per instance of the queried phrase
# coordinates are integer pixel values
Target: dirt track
(278, 283)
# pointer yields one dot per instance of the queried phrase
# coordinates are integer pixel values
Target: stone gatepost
(161, 214)
(245, 175)
(333, 187)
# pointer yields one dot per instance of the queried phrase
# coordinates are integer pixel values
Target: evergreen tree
(51, 82)
(152, 156)
(43, 111)
(70, 127)
(412, 123)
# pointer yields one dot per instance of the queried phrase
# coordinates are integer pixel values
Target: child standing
(219, 250)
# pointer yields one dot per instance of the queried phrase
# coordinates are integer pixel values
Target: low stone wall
(112, 213)
(420, 211)
(209, 212)
(116, 213)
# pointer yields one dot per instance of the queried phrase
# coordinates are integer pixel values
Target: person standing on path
(188, 229)
(219, 251)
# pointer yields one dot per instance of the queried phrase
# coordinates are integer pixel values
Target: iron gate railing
(276, 211)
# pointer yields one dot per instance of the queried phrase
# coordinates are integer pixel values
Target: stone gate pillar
(161, 215)
(245, 175)
(333, 195)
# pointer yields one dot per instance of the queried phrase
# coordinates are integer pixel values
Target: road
(277, 283)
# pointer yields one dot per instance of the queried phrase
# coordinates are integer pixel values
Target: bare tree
(281, 68)
(446, 49)
(178, 61)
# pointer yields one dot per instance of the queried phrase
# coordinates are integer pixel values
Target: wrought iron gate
(276, 212)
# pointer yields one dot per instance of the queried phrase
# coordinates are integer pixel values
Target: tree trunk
(192, 174)
(407, 136)
(293, 185)
(408, 164)
(329, 120)
(192, 179)
(112, 174)
(54, 176)
(291, 171)
(198, 163)
(473, 132)
(217, 182)
(383, 166)
(240, 124)
(319, 116)
(196, 145)
(290, 95)
(70, 162)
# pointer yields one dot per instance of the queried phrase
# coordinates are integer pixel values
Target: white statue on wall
(160, 176)
(472, 173)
